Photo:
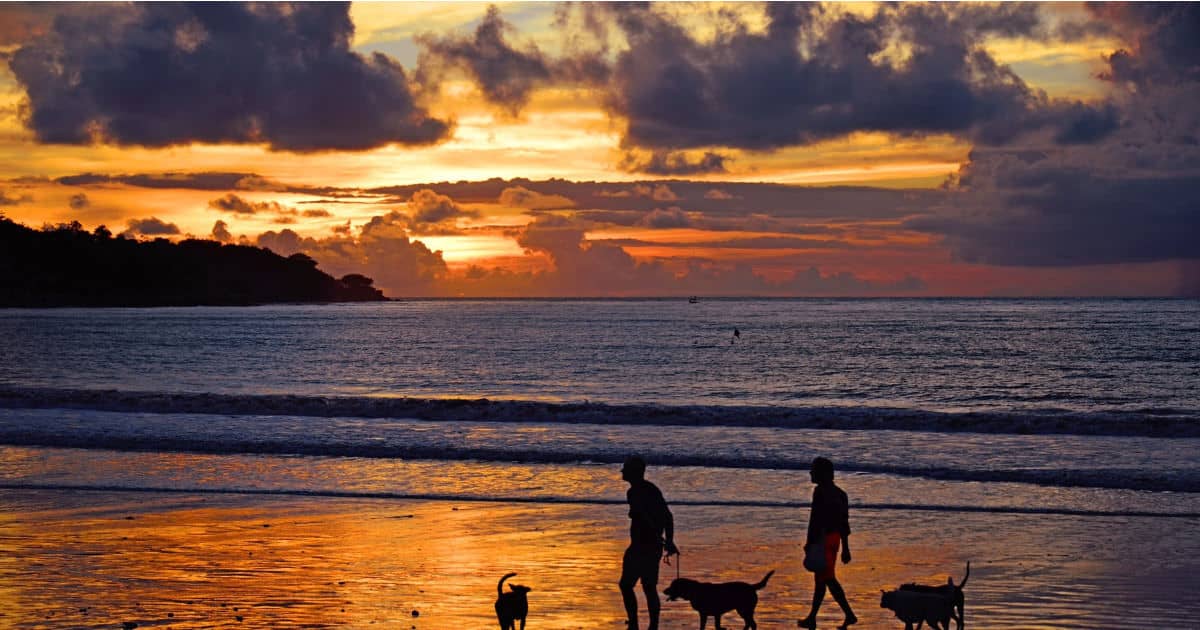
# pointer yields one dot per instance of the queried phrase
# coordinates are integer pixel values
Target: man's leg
(650, 584)
(629, 577)
(652, 604)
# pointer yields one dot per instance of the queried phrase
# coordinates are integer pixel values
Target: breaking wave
(1148, 422)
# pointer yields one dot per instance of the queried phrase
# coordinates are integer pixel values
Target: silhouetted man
(828, 525)
(651, 532)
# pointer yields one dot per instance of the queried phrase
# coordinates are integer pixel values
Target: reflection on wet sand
(96, 559)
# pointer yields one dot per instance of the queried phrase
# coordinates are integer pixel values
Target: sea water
(1063, 394)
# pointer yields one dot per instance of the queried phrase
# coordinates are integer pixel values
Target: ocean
(1045, 408)
(1088, 394)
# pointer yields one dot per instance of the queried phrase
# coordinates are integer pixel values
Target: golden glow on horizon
(564, 133)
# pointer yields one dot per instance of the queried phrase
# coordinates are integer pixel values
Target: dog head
(680, 588)
(888, 600)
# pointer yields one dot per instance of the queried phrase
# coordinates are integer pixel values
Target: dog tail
(500, 584)
(764, 580)
(964, 582)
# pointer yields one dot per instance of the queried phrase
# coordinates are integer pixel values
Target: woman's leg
(839, 595)
(818, 596)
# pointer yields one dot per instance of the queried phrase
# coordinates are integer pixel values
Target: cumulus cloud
(521, 197)
(279, 74)
(657, 192)
(381, 250)
(220, 232)
(672, 217)
(152, 226)
(426, 206)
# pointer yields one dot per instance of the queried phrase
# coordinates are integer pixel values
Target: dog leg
(703, 620)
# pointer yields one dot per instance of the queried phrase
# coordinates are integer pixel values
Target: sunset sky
(544, 149)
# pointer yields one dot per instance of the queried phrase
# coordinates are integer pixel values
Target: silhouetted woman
(828, 524)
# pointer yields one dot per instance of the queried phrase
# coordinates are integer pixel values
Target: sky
(613, 149)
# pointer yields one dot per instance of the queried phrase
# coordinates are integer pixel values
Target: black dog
(950, 590)
(913, 607)
(714, 600)
(512, 605)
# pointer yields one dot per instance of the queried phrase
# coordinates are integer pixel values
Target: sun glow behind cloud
(582, 133)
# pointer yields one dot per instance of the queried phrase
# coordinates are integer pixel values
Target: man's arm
(669, 529)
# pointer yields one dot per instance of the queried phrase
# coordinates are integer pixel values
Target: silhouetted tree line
(65, 265)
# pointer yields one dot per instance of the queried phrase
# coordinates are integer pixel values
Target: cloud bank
(161, 74)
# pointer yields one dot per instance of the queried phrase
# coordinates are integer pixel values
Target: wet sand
(88, 559)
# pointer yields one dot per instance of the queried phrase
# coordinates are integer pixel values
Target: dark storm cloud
(194, 181)
(160, 74)
(1163, 39)
(505, 73)
(1132, 196)
(674, 163)
(152, 226)
(814, 74)
(1049, 212)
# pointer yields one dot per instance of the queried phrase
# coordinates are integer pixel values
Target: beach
(329, 467)
(95, 559)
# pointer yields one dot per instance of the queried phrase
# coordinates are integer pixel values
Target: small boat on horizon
(693, 300)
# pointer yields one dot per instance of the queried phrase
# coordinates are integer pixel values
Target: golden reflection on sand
(97, 559)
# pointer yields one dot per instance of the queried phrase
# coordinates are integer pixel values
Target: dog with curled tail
(512, 605)
(950, 590)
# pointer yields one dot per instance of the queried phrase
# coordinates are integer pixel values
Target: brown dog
(714, 600)
(512, 605)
